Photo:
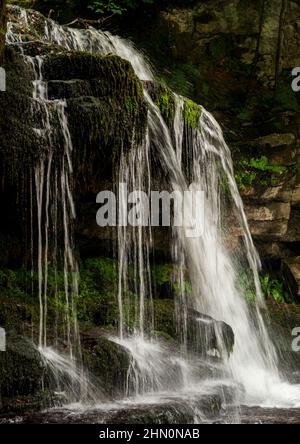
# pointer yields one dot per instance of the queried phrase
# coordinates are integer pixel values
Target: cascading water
(54, 111)
(212, 269)
(134, 245)
(55, 206)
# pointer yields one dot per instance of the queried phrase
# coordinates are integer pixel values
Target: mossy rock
(191, 114)
(24, 380)
(108, 362)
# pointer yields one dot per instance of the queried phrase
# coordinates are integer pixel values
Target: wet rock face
(236, 58)
(167, 411)
(104, 104)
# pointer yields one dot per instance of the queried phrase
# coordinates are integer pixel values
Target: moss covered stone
(24, 381)
(166, 104)
(108, 362)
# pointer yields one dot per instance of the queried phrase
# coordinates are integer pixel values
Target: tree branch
(88, 22)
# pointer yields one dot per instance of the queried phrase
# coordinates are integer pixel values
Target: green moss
(130, 105)
(96, 301)
(105, 107)
(191, 113)
(262, 164)
(187, 286)
(97, 291)
(166, 104)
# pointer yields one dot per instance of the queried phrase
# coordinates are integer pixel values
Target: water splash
(73, 383)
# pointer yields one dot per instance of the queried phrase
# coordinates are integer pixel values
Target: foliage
(262, 164)
(272, 287)
(162, 274)
(96, 288)
(249, 170)
(244, 178)
(118, 7)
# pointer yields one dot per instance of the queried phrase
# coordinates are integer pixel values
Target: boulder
(24, 381)
(205, 335)
(108, 363)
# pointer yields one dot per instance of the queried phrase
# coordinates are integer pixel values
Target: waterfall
(46, 188)
(188, 155)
